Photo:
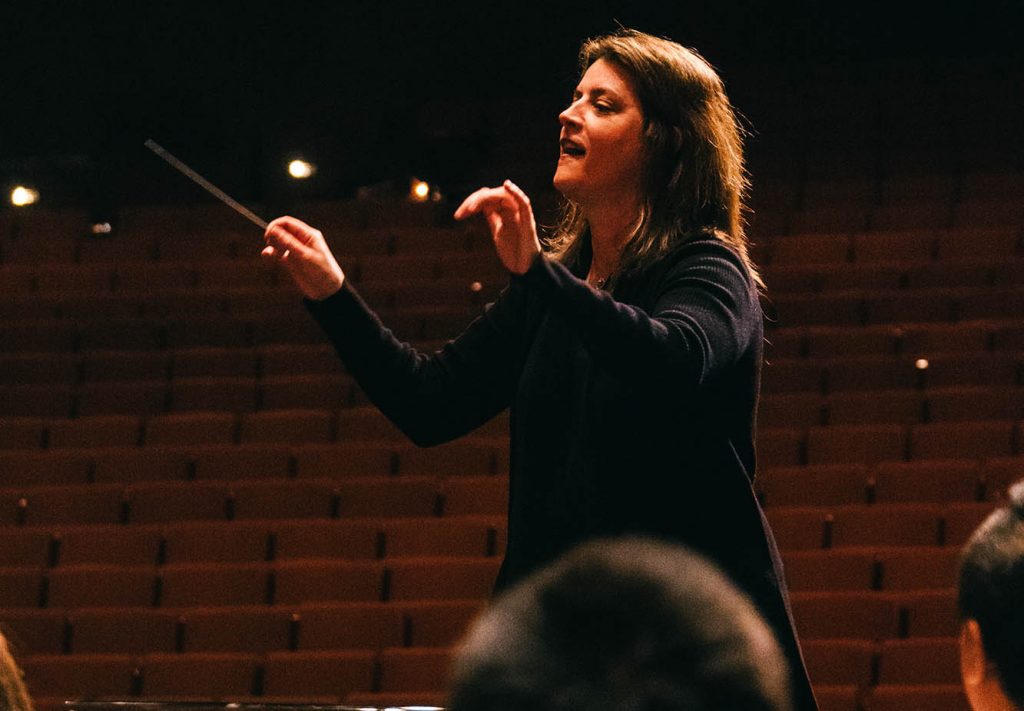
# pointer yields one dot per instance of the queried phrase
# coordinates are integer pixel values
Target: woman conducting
(629, 351)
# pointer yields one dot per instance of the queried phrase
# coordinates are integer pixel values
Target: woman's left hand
(510, 217)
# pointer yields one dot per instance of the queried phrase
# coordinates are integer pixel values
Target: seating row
(898, 306)
(896, 273)
(252, 541)
(928, 481)
(905, 406)
(236, 276)
(777, 446)
(334, 675)
(286, 327)
(284, 582)
(401, 521)
(245, 628)
(938, 341)
(861, 615)
(310, 677)
(465, 457)
(910, 339)
(793, 393)
(39, 237)
(466, 293)
(168, 501)
(845, 216)
(197, 428)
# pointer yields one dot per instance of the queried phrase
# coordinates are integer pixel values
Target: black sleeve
(432, 398)
(705, 316)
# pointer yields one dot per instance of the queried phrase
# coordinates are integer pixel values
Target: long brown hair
(695, 180)
(13, 694)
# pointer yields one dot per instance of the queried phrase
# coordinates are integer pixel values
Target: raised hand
(304, 253)
(510, 218)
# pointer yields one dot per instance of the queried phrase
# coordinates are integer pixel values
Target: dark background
(377, 91)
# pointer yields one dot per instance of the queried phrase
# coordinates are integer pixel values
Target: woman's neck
(611, 227)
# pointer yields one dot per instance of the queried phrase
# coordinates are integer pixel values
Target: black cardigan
(631, 412)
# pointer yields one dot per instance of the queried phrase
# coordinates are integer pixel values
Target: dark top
(631, 412)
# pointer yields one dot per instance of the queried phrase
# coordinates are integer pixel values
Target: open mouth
(571, 148)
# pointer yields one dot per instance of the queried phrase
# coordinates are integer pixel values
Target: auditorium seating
(197, 501)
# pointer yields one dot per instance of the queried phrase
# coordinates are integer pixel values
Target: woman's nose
(569, 116)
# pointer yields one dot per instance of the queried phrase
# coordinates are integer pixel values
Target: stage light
(22, 196)
(300, 169)
(101, 228)
(921, 364)
(476, 287)
(419, 191)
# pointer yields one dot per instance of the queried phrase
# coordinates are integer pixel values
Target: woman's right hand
(304, 253)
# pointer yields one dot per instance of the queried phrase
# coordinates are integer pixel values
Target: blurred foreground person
(991, 602)
(629, 625)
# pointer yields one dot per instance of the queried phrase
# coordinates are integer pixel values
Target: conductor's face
(601, 144)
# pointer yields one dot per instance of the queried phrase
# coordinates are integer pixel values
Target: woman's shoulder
(703, 251)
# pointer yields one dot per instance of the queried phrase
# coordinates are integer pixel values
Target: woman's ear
(972, 654)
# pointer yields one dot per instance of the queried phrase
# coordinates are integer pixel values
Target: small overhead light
(300, 169)
(22, 196)
(921, 364)
(419, 191)
(101, 228)
(476, 287)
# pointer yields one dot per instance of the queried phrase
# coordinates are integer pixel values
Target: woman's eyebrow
(596, 93)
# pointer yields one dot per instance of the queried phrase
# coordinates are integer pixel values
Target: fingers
(522, 202)
(283, 242)
(485, 199)
(271, 252)
(295, 227)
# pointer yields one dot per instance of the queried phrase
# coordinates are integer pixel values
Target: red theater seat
(248, 628)
(216, 542)
(101, 586)
(72, 504)
(930, 613)
(167, 502)
(839, 662)
(42, 468)
(191, 428)
(80, 675)
(199, 676)
(31, 631)
(844, 615)
(318, 675)
(415, 669)
(822, 485)
(480, 495)
(885, 525)
(436, 623)
(214, 584)
(99, 431)
(109, 545)
(305, 581)
(122, 631)
(291, 426)
(442, 578)
(345, 459)
(388, 497)
(920, 661)
(899, 697)
(284, 498)
(356, 539)
(935, 481)
(440, 537)
(365, 626)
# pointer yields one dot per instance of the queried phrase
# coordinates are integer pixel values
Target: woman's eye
(603, 108)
